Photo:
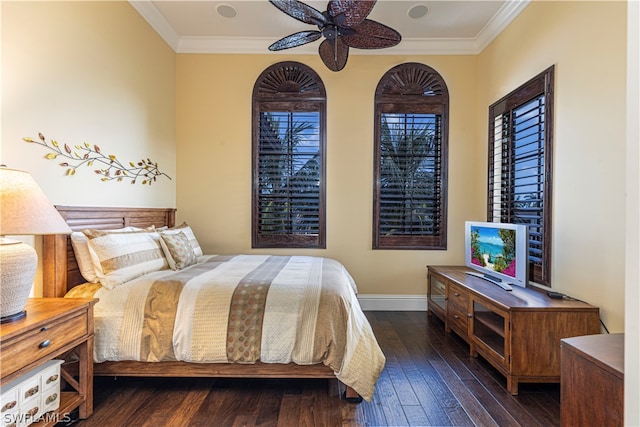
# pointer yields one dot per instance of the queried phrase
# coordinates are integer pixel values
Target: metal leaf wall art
(110, 168)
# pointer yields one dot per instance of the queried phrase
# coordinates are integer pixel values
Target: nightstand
(54, 328)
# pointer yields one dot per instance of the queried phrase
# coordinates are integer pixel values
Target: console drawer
(458, 309)
(458, 319)
(458, 297)
(41, 342)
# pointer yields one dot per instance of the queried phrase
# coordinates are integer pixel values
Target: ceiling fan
(343, 25)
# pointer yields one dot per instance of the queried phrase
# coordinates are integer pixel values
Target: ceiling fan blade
(334, 53)
(296, 39)
(372, 35)
(348, 13)
(301, 11)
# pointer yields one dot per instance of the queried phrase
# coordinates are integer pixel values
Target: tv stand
(494, 280)
(517, 332)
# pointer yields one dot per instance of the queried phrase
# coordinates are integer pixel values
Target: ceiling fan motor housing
(330, 32)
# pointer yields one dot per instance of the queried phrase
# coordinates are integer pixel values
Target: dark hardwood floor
(429, 380)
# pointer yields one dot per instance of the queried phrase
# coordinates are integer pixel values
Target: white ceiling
(449, 27)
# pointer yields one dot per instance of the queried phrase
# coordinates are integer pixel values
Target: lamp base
(18, 262)
(13, 317)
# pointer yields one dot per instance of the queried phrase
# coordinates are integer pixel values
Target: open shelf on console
(491, 320)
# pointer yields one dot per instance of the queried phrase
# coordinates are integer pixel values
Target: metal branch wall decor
(111, 169)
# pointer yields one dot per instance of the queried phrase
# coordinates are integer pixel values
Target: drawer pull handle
(32, 391)
(32, 412)
(455, 316)
(51, 398)
(469, 315)
(456, 294)
(44, 328)
(45, 344)
(52, 378)
(9, 405)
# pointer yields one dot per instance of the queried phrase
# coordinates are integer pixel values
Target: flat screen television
(498, 252)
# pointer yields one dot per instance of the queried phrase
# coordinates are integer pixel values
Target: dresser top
(604, 350)
(41, 311)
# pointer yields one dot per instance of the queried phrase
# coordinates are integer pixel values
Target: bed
(352, 356)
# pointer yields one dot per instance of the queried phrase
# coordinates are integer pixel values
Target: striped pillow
(83, 256)
(120, 257)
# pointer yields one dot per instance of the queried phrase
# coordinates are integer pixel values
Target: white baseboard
(376, 302)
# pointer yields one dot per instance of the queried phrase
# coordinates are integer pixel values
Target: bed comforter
(243, 309)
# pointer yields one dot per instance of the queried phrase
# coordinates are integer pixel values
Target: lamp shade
(24, 208)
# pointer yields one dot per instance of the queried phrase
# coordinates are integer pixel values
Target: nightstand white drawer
(9, 399)
(50, 399)
(30, 412)
(26, 398)
(51, 377)
(9, 407)
(29, 388)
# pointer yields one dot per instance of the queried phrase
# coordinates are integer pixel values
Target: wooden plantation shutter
(410, 174)
(410, 170)
(288, 208)
(520, 149)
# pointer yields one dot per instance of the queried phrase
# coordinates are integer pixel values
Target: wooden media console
(518, 332)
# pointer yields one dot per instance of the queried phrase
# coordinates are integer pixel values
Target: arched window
(410, 169)
(288, 158)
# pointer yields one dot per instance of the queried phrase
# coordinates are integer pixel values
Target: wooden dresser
(517, 331)
(53, 328)
(592, 384)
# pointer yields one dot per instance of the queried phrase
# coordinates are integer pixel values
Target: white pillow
(120, 257)
(190, 235)
(83, 257)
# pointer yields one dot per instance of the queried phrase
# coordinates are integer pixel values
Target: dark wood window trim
(411, 93)
(289, 91)
(520, 166)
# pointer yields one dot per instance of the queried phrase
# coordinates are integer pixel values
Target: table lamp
(24, 209)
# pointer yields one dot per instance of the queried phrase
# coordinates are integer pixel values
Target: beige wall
(587, 43)
(72, 71)
(87, 72)
(214, 161)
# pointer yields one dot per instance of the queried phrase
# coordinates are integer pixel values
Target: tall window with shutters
(288, 206)
(410, 155)
(520, 160)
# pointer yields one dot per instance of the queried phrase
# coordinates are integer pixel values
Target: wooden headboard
(60, 270)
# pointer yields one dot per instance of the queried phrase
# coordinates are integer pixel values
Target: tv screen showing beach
(494, 248)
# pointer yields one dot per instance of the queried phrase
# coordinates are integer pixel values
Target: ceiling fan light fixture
(418, 11)
(226, 11)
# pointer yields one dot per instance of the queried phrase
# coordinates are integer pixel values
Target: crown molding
(158, 22)
(257, 45)
(507, 13)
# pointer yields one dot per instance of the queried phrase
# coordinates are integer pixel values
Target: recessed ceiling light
(418, 11)
(226, 11)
